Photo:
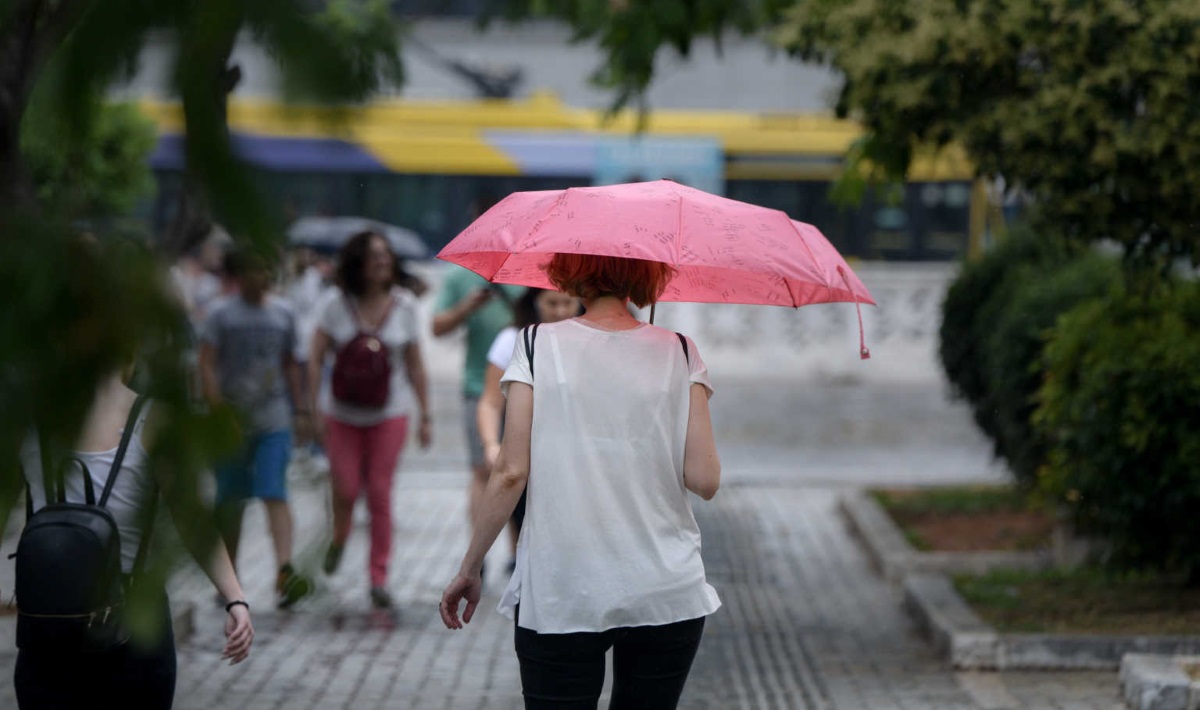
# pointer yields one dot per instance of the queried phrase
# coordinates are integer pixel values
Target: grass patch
(1082, 601)
(967, 518)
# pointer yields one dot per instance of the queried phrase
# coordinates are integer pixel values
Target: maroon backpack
(362, 368)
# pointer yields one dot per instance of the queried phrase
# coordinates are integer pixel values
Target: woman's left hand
(460, 588)
(239, 634)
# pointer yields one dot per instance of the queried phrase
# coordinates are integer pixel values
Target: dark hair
(352, 257)
(589, 276)
(524, 310)
(241, 261)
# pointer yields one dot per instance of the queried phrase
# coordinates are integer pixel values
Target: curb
(971, 644)
(895, 558)
(1150, 682)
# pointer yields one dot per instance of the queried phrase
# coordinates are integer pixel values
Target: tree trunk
(30, 31)
(17, 36)
(193, 220)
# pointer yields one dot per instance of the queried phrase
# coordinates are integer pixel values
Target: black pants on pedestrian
(138, 675)
(566, 671)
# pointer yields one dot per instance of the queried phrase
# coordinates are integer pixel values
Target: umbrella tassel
(863, 352)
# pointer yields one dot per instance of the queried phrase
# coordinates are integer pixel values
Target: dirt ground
(972, 532)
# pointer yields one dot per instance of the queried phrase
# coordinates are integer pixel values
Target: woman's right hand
(239, 634)
(461, 588)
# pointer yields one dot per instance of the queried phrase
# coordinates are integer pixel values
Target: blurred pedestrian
(536, 305)
(138, 671)
(247, 360)
(310, 279)
(466, 300)
(607, 426)
(377, 386)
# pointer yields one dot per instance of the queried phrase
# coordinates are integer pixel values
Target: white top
(609, 538)
(500, 354)
(305, 295)
(400, 329)
(131, 493)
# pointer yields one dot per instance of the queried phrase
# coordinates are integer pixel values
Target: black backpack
(69, 587)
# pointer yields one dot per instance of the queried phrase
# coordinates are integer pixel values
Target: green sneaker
(290, 587)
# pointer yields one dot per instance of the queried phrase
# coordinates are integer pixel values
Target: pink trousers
(367, 455)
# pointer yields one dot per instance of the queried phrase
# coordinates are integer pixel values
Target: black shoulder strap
(126, 436)
(89, 491)
(683, 342)
(530, 335)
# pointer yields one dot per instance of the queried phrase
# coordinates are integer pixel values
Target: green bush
(1120, 406)
(972, 306)
(1012, 358)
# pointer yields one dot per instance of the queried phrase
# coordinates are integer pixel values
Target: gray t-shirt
(252, 343)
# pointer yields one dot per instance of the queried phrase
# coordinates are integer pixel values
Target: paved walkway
(805, 622)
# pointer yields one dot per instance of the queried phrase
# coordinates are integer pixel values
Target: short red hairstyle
(591, 276)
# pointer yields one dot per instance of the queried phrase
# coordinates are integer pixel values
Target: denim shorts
(259, 471)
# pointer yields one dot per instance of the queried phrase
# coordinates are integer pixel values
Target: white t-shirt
(609, 538)
(500, 354)
(132, 492)
(400, 329)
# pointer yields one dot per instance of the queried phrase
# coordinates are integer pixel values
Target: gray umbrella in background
(330, 233)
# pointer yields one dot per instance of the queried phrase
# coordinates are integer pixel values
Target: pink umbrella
(725, 251)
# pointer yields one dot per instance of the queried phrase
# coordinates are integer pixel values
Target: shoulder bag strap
(361, 326)
(530, 334)
(126, 436)
(89, 491)
(683, 342)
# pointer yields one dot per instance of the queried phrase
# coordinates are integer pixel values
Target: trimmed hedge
(1120, 408)
(1013, 365)
(973, 305)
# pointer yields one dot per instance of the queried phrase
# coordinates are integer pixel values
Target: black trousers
(138, 675)
(566, 671)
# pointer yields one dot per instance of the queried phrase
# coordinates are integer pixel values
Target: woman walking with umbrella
(607, 427)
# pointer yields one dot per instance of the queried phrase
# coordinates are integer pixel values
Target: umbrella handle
(652, 305)
(863, 352)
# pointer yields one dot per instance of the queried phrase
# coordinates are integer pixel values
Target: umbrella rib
(678, 231)
(811, 256)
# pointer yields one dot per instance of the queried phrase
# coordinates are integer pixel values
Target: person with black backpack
(377, 387)
(89, 515)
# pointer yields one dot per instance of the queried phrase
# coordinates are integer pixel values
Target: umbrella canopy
(330, 233)
(725, 251)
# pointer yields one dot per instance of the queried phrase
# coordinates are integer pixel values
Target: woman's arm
(207, 363)
(701, 465)
(205, 545)
(489, 414)
(504, 489)
(316, 361)
(420, 384)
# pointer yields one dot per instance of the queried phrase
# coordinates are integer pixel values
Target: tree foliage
(101, 173)
(78, 308)
(1086, 105)
(631, 32)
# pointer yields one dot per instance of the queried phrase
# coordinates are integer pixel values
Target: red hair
(590, 276)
